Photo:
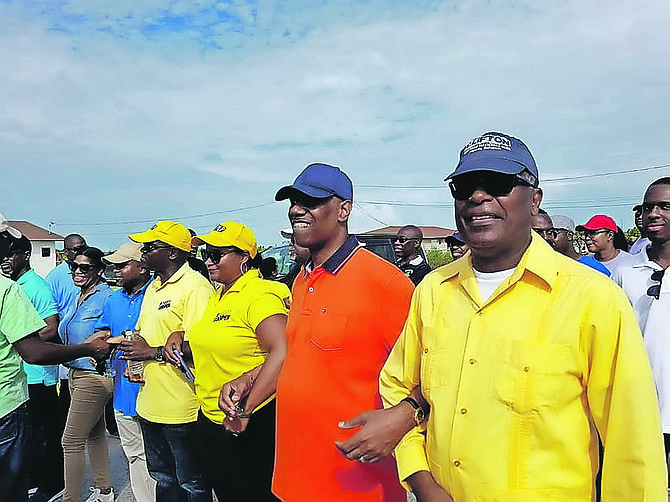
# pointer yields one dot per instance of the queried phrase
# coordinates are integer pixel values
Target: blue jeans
(14, 451)
(173, 462)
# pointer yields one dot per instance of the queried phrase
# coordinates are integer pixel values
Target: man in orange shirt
(348, 308)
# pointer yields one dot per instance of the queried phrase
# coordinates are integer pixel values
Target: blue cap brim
(494, 164)
(289, 191)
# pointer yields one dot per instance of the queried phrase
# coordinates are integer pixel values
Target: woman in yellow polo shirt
(240, 338)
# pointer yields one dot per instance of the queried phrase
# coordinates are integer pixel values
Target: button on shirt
(119, 314)
(654, 318)
(40, 296)
(515, 384)
(79, 322)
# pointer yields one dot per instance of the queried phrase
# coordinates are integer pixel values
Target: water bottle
(135, 368)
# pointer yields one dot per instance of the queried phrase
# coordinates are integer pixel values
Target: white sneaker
(96, 496)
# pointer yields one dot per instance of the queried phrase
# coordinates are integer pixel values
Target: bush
(437, 258)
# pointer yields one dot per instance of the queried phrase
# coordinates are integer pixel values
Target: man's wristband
(419, 414)
(159, 354)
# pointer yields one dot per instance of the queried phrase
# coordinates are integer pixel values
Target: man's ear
(535, 201)
(345, 211)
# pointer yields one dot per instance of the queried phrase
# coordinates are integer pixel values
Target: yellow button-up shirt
(517, 386)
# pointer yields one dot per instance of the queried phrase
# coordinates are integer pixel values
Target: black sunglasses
(309, 202)
(655, 290)
(84, 267)
(215, 254)
(76, 249)
(151, 246)
(495, 184)
(648, 207)
(402, 239)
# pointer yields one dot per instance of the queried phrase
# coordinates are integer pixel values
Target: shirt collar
(539, 260)
(416, 260)
(244, 279)
(641, 260)
(24, 278)
(339, 258)
(174, 277)
(139, 292)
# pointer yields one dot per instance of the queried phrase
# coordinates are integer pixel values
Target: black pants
(46, 467)
(239, 467)
(666, 440)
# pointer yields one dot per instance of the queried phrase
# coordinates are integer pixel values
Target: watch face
(420, 415)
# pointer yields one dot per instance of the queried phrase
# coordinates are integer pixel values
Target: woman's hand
(174, 342)
(236, 425)
(233, 392)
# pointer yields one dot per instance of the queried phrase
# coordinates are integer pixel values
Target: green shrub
(437, 258)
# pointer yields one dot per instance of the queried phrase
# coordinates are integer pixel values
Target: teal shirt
(18, 319)
(39, 294)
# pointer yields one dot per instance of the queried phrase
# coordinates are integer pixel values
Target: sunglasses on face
(655, 290)
(83, 267)
(495, 184)
(590, 234)
(310, 202)
(553, 233)
(76, 249)
(402, 239)
(544, 232)
(648, 207)
(151, 246)
(119, 266)
(215, 254)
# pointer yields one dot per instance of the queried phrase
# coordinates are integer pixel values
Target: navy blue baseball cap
(498, 153)
(456, 239)
(319, 181)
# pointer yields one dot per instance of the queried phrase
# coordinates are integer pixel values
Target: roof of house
(429, 232)
(35, 233)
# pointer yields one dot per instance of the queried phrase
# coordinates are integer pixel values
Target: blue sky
(117, 114)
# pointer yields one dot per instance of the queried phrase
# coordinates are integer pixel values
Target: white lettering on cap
(488, 142)
(219, 228)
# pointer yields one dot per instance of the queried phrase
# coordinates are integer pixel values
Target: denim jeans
(173, 462)
(14, 451)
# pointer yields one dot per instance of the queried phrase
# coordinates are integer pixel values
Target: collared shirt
(166, 397)
(65, 293)
(79, 321)
(224, 342)
(416, 269)
(654, 318)
(344, 319)
(516, 383)
(119, 314)
(39, 293)
(18, 319)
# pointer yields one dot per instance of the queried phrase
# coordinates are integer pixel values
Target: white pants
(130, 433)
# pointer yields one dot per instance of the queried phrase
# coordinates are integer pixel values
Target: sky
(117, 114)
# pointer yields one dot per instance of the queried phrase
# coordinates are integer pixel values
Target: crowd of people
(532, 367)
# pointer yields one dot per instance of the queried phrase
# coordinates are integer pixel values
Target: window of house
(46, 252)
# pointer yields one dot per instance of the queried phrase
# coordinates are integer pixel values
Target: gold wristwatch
(419, 414)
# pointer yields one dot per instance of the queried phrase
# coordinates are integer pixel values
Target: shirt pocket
(530, 376)
(437, 359)
(329, 329)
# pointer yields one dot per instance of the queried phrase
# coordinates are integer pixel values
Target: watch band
(159, 354)
(419, 414)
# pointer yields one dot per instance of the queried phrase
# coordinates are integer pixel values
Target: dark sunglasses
(495, 184)
(119, 266)
(84, 267)
(149, 247)
(309, 202)
(402, 239)
(553, 233)
(655, 290)
(76, 249)
(215, 254)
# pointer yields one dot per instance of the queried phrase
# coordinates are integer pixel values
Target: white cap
(6, 227)
(560, 221)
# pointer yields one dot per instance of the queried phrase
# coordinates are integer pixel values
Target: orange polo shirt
(345, 317)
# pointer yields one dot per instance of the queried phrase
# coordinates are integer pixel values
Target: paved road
(118, 466)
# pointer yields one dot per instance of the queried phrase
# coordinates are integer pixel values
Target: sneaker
(96, 496)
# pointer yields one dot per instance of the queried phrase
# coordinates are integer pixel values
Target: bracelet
(159, 354)
(240, 413)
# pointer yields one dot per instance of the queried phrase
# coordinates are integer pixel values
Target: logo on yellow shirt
(223, 316)
(165, 304)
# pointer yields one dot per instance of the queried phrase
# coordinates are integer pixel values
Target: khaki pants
(130, 432)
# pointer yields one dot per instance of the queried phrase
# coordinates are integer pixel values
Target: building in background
(43, 258)
(433, 237)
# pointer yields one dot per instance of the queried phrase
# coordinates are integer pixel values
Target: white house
(43, 258)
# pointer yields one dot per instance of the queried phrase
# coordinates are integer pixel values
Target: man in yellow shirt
(166, 403)
(524, 357)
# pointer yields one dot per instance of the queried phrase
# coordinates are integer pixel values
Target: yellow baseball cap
(170, 232)
(230, 233)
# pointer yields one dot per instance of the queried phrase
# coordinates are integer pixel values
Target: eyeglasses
(655, 290)
(495, 184)
(84, 267)
(553, 233)
(119, 266)
(402, 239)
(590, 234)
(309, 202)
(648, 207)
(215, 254)
(544, 232)
(76, 249)
(151, 246)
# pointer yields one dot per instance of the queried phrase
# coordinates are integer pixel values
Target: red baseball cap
(597, 222)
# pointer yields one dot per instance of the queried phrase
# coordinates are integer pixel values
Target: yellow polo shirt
(516, 385)
(166, 397)
(224, 342)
